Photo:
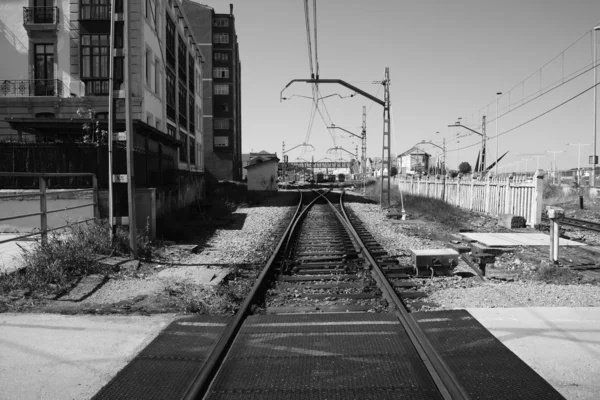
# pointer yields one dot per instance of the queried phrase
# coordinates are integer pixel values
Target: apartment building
(54, 76)
(217, 40)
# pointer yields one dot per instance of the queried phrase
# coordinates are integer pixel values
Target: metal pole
(483, 143)
(497, 98)
(111, 116)
(593, 181)
(364, 149)
(444, 172)
(129, 132)
(386, 140)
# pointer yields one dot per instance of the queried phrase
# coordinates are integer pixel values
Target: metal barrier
(43, 180)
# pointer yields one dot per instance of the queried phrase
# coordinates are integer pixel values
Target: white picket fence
(516, 195)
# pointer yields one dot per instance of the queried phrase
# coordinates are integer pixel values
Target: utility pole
(554, 153)
(129, 130)
(386, 150)
(284, 165)
(483, 142)
(111, 116)
(364, 150)
(578, 159)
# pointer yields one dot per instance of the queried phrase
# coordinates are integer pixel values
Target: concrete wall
(263, 177)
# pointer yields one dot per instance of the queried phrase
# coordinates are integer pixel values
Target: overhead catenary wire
(530, 120)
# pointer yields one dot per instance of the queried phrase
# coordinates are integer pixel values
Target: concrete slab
(517, 239)
(57, 357)
(561, 344)
(10, 252)
(197, 275)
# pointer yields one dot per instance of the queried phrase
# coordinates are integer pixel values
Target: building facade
(55, 75)
(222, 89)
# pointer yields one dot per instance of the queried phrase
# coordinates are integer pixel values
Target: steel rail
(576, 223)
(204, 377)
(442, 375)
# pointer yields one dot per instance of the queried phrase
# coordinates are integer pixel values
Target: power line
(534, 118)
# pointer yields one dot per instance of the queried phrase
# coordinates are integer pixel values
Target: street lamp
(578, 159)
(594, 160)
(497, 98)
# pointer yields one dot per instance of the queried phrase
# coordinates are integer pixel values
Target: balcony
(41, 18)
(31, 87)
(94, 12)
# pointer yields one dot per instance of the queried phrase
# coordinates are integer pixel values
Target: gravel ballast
(452, 292)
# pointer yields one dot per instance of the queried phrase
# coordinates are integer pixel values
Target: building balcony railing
(31, 87)
(41, 17)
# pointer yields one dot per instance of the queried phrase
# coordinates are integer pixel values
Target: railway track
(325, 319)
(326, 265)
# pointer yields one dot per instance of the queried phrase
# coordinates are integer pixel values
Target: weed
(67, 256)
(556, 274)
(223, 299)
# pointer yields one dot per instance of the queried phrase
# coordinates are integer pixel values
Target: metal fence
(43, 195)
(77, 161)
(517, 195)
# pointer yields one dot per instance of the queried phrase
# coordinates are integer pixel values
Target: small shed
(262, 171)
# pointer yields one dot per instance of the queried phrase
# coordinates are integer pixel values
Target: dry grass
(69, 256)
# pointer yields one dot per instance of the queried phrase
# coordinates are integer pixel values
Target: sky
(447, 59)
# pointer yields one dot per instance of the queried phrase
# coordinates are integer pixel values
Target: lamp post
(498, 94)
(594, 161)
(579, 145)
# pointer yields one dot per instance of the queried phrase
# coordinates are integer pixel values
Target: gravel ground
(456, 292)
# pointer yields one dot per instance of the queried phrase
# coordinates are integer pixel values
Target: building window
(95, 63)
(171, 100)
(158, 122)
(191, 73)
(182, 61)
(149, 119)
(183, 105)
(192, 151)
(171, 130)
(191, 113)
(225, 107)
(95, 9)
(220, 72)
(170, 42)
(221, 124)
(43, 70)
(222, 22)
(221, 89)
(221, 38)
(221, 56)
(149, 68)
(150, 11)
(157, 76)
(184, 148)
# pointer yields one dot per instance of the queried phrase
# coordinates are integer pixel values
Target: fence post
(471, 194)
(95, 196)
(537, 202)
(488, 194)
(458, 191)
(507, 196)
(43, 210)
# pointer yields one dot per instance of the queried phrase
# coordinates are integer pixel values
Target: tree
(453, 173)
(320, 177)
(464, 168)
(341, 177)
(394, 171)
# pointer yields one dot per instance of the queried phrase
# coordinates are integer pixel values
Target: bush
(70, 255)
(341, 177)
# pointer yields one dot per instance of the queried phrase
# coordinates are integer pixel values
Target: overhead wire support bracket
(339, 82)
